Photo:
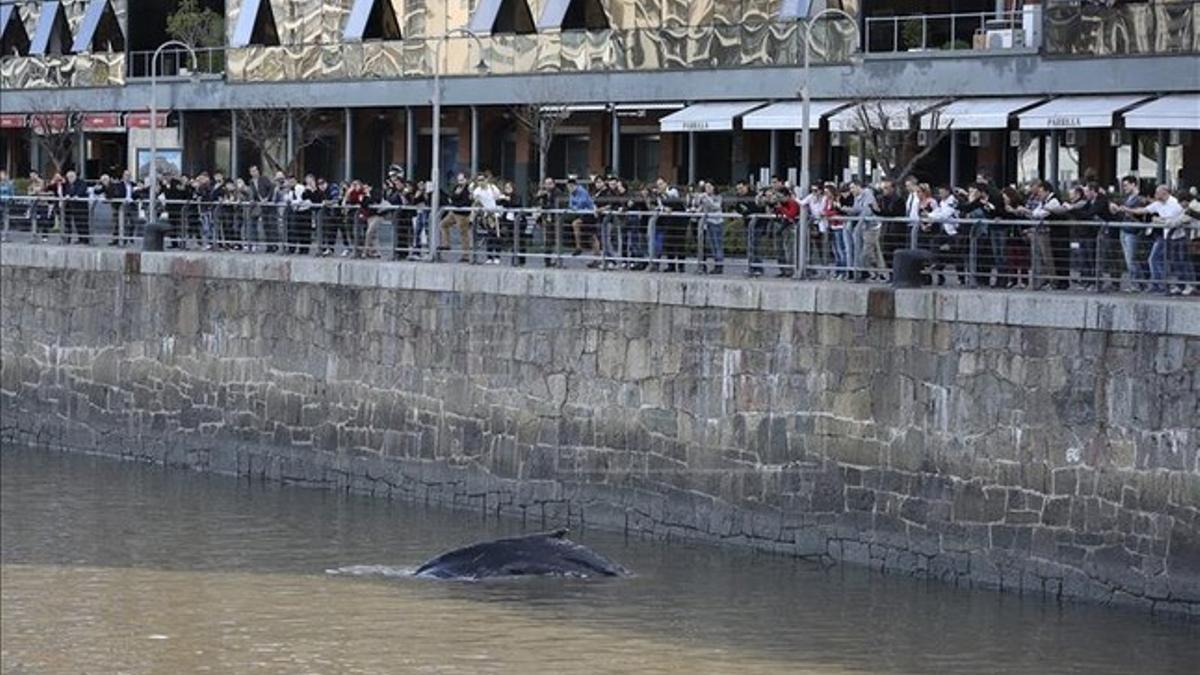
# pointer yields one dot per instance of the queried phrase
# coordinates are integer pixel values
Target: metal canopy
(1078, 112)
(98, 12)
(358, 24)
(244, 32)
(53, 33)
(979, 113)
(1178, 111)
(707, 116)
(789, 115)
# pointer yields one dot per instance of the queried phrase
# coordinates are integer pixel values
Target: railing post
(953, 32)
(895, 34)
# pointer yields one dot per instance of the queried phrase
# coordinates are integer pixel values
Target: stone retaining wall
(1032, 442)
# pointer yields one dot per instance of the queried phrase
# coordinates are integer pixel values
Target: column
(348, 144)
(410, 144)
(862, 158)
(953, 158)
(474, 141)
(1052, 169)
(233, 144)
(81, 155)
(691, 167)
(1161, 158)
(774, 153)
(289, 143)
(614, 159)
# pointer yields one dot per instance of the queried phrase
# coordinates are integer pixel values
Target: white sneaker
(1188, 290)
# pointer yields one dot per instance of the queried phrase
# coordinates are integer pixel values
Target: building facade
(687, 90)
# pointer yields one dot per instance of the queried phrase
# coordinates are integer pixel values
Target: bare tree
(56, 131)
(266, 129)
(893, 138)
(542, 123)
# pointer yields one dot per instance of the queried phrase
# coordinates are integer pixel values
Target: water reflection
(117, 567)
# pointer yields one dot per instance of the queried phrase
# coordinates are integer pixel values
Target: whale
(542, 554)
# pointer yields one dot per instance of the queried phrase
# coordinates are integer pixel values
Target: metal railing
(1096, 256)
(947, 32)
(176, 62)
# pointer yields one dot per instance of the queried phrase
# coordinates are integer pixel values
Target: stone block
(842, 299)
(674, 290)
(915, 304)
(517, 283)
(1130, 315)
(359, 273)
(565, 284)
(788, 297)
(1048, 311)
(732, 293)
(982, 307)
(397, 276)
(314, 271)
(437, 278)
(1183, 318)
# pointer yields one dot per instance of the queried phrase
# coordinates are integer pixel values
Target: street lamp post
(152, 212)
(805, 135)
(436, 198)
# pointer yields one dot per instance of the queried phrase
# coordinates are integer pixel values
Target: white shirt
(485, 196)
(1168, 210)
(945, 213)
(914, 207)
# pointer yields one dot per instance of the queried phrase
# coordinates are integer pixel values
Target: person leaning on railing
(975, 206)
(73, 194)
(1132, 231)
(545, 200)
(1168, 254)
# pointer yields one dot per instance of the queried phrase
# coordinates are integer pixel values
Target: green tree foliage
(196, 25)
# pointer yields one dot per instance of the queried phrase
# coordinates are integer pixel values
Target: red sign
(54, 123)
(12, 121)
(102, 122)
(141, 120)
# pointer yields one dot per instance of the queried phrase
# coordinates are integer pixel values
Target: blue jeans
(841, 248)
(714, 239)
(854, 244)
(1129, 248)
(1169, 261)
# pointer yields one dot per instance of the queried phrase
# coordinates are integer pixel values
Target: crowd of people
(1132, 237)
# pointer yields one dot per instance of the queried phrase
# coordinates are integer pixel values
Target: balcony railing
(177, 63)
(951, 32)
(1091, 29)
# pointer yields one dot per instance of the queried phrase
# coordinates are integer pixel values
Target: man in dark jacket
(75, 209)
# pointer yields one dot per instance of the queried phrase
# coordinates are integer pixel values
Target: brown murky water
(116, 568)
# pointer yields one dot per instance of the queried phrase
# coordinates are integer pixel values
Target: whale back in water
(545, 554)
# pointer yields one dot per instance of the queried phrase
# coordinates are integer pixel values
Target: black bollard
(154, 237)
(910, 268)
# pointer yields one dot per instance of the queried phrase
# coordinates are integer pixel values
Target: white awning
(633, 107)
(707, 116)
(978, 113)
(897, 114)
(1178, 111)
(1077, 112)
(789, 115)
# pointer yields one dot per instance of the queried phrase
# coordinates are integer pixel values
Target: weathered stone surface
(948, 442)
